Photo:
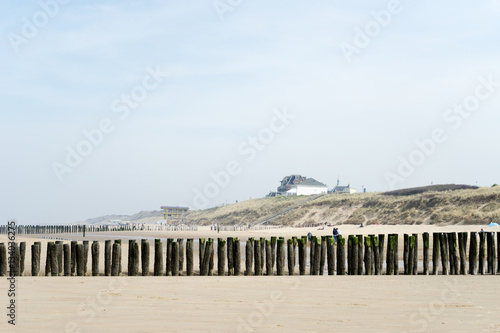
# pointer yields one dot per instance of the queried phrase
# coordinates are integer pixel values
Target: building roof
(311, 182)
(171, 207)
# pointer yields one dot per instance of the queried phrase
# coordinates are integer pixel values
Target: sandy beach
(253, 303)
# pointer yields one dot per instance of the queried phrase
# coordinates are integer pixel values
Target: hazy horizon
(118, 107)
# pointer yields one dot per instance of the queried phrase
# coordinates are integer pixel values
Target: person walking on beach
(309, 236)
(335, 234)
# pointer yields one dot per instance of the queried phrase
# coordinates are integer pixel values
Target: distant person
(335, 234)
(309, 236)
(361, 225)
(482, 230)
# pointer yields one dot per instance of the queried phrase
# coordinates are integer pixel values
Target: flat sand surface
(251, 303)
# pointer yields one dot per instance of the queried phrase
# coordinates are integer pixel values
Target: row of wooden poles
(266, 256)
(59, 229)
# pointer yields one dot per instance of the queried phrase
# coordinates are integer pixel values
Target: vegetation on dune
(440, 204)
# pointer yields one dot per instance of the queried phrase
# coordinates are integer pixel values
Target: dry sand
(262, 304)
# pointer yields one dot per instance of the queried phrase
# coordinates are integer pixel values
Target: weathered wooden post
(3, 260)
(79, 260)
(376, 255)
(415, 255)
(473, 254)
(360, 254)
(482, 254)
(411, 257)
(201, 244)
(355, 257)
(340, 255)
(130, 248)
(236, 256)
(405, 253)
(381, 241)
(443, 241)
(168, 255)
(452, 252)
(262, 254)
(73, 257)
(175, 258)
(221, 257)
(107, 257)
(273, 250)
(280, 257)
(331, 255)
(95, 258)
(291, 260)
(35, 259)
(368, 256)
(322, 254)
(257, 265)
(435, 253)
(85, 256)
(311, 255)
(302, 243)
(269, 259)
(54, 268)
(230, 266)
(498, 251)
(462, 244)
(135, 259)
(189, 257)
(180, 241)
(60, 262)
(493, 254)
(158, 265)
(396, 254)
(67, 259)
(205, 268)
(390, 254)
(425, 242)
(48, 259)
(144, 257)
(489, 251)
(22, 254)
(317, 255)
(248, 257)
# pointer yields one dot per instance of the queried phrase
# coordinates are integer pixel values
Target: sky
(115, 107)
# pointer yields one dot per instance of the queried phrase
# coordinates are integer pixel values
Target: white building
(343, 189)
(309, 186)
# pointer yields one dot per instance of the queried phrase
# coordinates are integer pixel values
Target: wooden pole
(79, 260)
(340, 255)
(311, 255)
(175, 258)
(302, 255)
(115, 263)
(462, 244)
(236, 256)
(425, 241)
(322, 255)
(135, 258)
(180, 241)
(482, 253)
(435, 253)
(390, 255)
(269, 259)
(230, 265)
(201, 244)
(355, 257)
(73, 258)
(95, 258)
(473, 254)
(107, 257)
(317, 256)
(280, 257)
(493, 254)
(221, 257)
(376, 255)
(144, 257)
(3, 260)
(248, 257)
(415, 255)
(405, 253)
(444, 252)
(498, 251)
(54, 268)
(396, 254)
(368, 256)
(291, 259)
(452, 251)
(273, 250)
(360, 254)
(85, 256)
(381, 241)
(67, 259)
(158, 265)
(189, 257)
(257, 257)
(262, 254)
(206, 258)
(411, 257)
(168, 255)
(22, 254)
(331, 255)
(35, 259)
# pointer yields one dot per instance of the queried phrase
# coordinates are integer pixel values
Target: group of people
(336, 233)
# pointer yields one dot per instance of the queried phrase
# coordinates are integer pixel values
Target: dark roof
(311, 182)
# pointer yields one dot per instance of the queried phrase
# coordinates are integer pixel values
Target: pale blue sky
(225, 79)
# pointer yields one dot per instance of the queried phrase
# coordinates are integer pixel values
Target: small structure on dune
(342, 189)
